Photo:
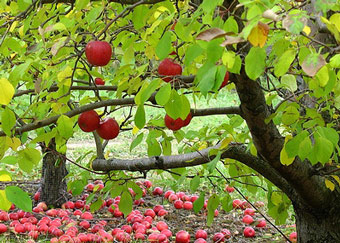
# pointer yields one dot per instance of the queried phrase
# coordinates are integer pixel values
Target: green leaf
(305, 148)
(154, 149)
(81, 4)
(329, 133)
(292, 146)
(290, 115)
(236, 68)
(65, 126)
(163, 47)
(136, 189)
(28, 157)
(233, 171)
(139, 15)
(163, 94)
(207, 81)
(140, 117)
(76, 187)
(177, 106)
(116, 190)
(191, 53)
(20, 198)
(324, 149)
(289, 81)
(8, 121)
(227, 203)
(194, 183)
(284, 62)
(17, 73)
(335, 61)
(255, 62)
(199, 203)
(6, 91)
(95, 206)
(276, 198)
(213, 203)
(212, 165)
(136, 141)
(147, 90)
(230, 25)
(11, 160)
(125, 204)
(5, 204)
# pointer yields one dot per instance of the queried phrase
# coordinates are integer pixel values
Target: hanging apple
(173, 124)
(88, 121)
(168, 68)
(99, 81)
(108, 128)
(98, 53)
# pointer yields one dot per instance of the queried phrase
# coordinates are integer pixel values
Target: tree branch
(235, 151)
(113, 102)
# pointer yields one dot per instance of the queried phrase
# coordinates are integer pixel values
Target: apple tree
(282, 58)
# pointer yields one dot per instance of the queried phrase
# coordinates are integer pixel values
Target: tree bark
(53, 185)
(317, 225)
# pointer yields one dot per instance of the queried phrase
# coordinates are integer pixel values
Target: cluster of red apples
(75, 223)
(90, 121)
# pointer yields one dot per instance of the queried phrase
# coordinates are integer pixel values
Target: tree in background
(282, 57)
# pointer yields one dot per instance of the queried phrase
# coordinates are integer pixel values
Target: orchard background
(260, 80)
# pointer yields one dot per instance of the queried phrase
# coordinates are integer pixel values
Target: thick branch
(234, 151)
(269, 143)
(113, 102)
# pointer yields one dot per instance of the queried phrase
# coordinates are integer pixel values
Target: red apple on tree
(108, 128)
(98, 53)
(88, 121)
(168, 68)
(187, 120)
(99, 81)
(172, 124)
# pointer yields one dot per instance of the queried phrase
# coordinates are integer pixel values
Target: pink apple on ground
(166, 232)
(86, 215)
(182, 237)
(157, 208)
(79, 204)
(259, 204)
(161, 225)
(249, 232)
(201, 234)
(153, 237)
(218, 237)
(139, 236)
(127, 228)
(245, 205)
(90, 186)
(247, 219)
(173, 197)
(200, 240)
(150, 212)
(3, 228)
(261, 224)
(293, 237)
(85, 224)
(237, 203)
(147, 183)
(226, 233)
(188, 205)
(19, 228)
(249, 211)
(193, 198)
(168, 193)
(178, 204)
(42, 205)
(162, 212)
(36, 196)
(157, 191)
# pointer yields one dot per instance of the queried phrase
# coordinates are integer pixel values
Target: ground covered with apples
(160, 215)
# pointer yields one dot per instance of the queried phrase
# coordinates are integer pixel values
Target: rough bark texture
(317, 226)
(53, 185)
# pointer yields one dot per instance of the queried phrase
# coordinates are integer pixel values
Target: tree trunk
(317, 225)
(53, 185)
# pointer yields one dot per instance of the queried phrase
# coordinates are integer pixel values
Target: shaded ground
(177, 219)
